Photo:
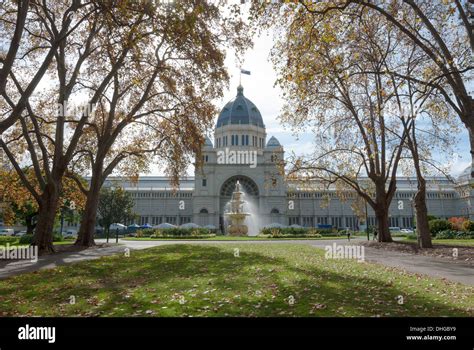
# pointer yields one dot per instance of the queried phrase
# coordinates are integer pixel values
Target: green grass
(453, 242)
(17, 244)
(228, 238)
(197, 280)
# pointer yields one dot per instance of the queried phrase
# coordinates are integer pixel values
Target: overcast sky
(259, 88)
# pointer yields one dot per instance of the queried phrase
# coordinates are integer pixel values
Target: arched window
(248, 186)
(203, 211)
(275, 211)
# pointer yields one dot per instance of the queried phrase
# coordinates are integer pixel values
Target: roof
(273, 142)
(240, 110)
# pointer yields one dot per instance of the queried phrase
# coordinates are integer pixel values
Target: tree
(445, 35)
(50, 131)
(115, 206)
(158, 108)
(26, 23)
(333, 84)
(20, 203)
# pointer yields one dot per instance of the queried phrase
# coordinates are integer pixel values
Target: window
(203, 211)
(308, 221)
(143, 220)
(293, 220)
(275, 211)
(246, 140)
(236, 140)
(204, 182)
(171, 220)
(156, 220)
(184, 220)
(243, 140)
(232, 142)
(336, 221)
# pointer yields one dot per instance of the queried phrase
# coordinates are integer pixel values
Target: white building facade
(241, 152)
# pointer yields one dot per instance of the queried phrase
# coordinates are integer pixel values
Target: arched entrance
(248, 186)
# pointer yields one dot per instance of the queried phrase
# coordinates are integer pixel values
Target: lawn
(17, 243)
(263, 280)
(453, 242)
(229, 238)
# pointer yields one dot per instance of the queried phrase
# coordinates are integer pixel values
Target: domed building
(240, 152)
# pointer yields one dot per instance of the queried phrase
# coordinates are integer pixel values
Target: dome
(273, 142)
(240, 110)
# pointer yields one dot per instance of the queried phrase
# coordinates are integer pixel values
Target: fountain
(236, 214)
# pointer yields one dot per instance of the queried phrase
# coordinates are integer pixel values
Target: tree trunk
(48, 206)
(471, 140)
(381, 212)
(422, 227)
(382, 224)
(30, 226)
(86, 233)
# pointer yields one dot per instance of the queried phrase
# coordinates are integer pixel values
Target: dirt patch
(464, 254)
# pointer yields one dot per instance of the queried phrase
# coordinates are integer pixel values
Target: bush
(7, 239)
(57, 237)
(296, 232)
(465, 235)
(468, 226)
(176, 232)
(26, 239)
(446, 234)
(439, 225)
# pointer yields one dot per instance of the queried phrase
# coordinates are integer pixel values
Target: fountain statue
(236, 213)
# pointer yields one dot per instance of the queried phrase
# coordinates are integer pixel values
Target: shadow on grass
(176, 280)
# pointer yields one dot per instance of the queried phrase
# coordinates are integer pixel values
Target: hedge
(175, 232)
(439, 225)
(452, 234)
(296, 231)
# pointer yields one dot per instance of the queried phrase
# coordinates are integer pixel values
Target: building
(241, 152)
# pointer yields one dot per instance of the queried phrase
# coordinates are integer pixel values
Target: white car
(70, 233)
(406, 230)
(7, 232)
(21, 233)
(118, 226)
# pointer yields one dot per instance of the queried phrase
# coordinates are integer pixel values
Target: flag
(243, 71)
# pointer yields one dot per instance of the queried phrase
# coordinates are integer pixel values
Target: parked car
(70, 233)
(394, 229)
(20, 233)
(7, 232)
(118, 226)
(406, 230)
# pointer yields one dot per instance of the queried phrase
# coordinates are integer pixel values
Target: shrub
(7, 239)
(58, 237)
(465, 235)
(296, 232)
(26, 239)
(468, 226)
(446, 234)
(439, 225)
(177, 232)
(145, 232)
(457, 223)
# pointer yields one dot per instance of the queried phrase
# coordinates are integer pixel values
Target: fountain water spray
(236, 214)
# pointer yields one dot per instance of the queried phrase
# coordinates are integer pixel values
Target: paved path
(437, 267)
